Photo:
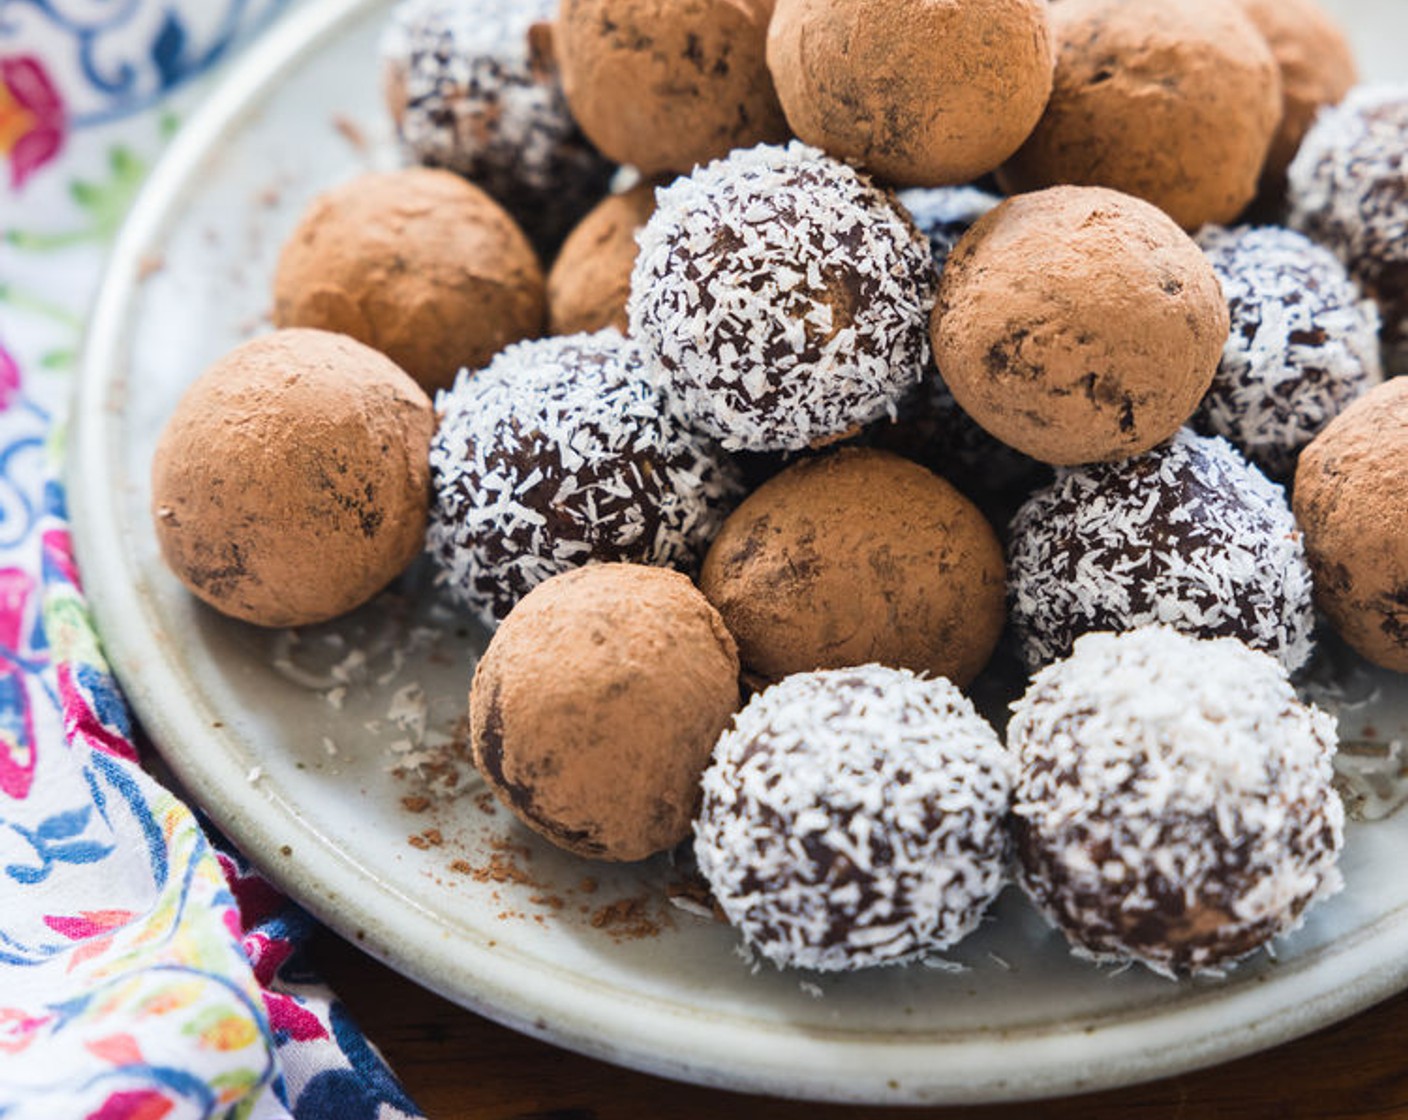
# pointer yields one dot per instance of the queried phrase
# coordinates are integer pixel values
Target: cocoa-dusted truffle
(1304, 343)
(1175, 804)
(853, 557)
(473, 87)
(290, 485)
(1189, 535)
(1078, 325)
(1351, 499)
(418, 264)
(596, 705)
(664, 87)
(1349, 191)
(854, 818)
(590, 281)
(782, 297)
(558, 454)
(1175, 103)
(1317, 69)
(922, 94)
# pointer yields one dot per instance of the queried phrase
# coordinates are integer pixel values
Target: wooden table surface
(458, 1065)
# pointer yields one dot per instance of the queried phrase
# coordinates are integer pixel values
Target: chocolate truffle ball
(473, 87)
(854, 818)
(1349, 191)
(922, 94)
(1175, 103)
(590, 281)
(1304, 343)
(594, 710)
(1189, 535)
(853, 557)
(1175, 804)
(559, 454)
(664, 87)
(1078, 325)
(1351, 499)
(782, 298)
(290, 485)
(1317, 69)
(418, 264)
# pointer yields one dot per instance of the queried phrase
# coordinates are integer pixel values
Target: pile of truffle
(768, 431)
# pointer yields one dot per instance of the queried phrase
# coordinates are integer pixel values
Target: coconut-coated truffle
(1349, 191)
(473, 86)
(782, 297)
(595, 708)
(291, 483)
(590, 280)
(853, 818)
(1174, 103)
(922, 94)
(418, 264)
(1174, 805)
(1317, 69)
(1351, 499)
(1078, 325)
(559, 454)
(853, 557)
(664, 86)
(1189, 535)
(1304, 343)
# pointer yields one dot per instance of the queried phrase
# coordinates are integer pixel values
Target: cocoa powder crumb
(626, 919)
(414, 803)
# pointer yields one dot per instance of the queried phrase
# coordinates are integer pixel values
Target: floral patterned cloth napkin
(144, 973)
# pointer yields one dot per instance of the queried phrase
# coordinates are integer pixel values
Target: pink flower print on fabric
(31, 117)
(9, 379)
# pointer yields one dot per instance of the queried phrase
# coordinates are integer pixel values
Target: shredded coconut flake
(854, 817)
(1349, 190)
(1175, 804)
(783, 297)
(561, 453)
(1304, 343)
(1188, 535)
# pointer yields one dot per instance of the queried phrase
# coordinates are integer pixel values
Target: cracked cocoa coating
(595, 708)
(292, 482)
(416, 263)
(920, 93)
(664, 85)
(1351, 499)
(1078, 325)
(1174, 103)
(853, 557)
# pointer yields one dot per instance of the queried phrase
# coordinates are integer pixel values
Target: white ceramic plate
(291, 745)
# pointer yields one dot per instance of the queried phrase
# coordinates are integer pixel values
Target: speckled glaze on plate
(323, 753)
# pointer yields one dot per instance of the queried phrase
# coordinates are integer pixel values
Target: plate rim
(807, 1064)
